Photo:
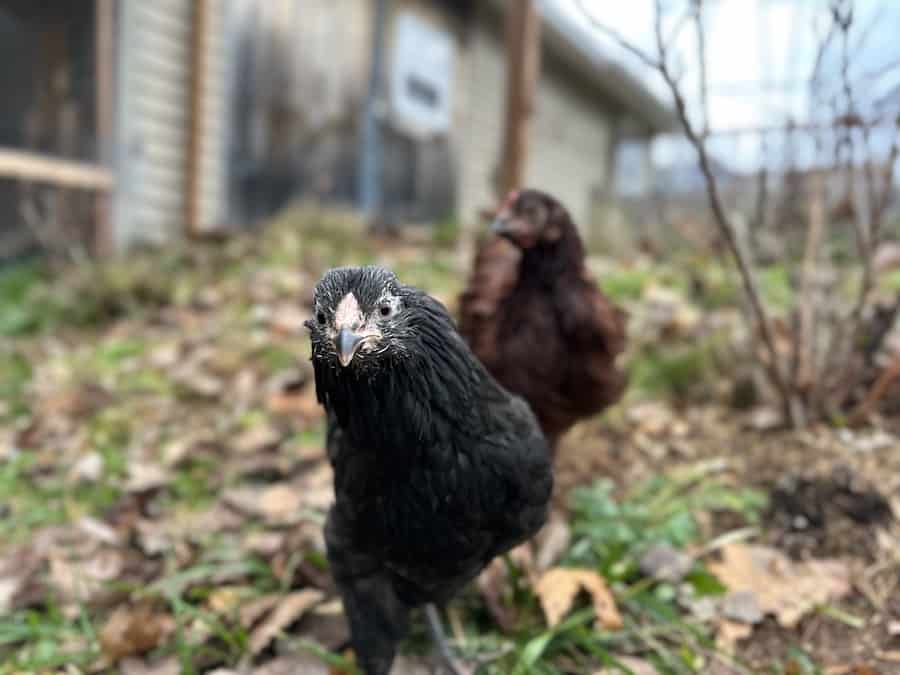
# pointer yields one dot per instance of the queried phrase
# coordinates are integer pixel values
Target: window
(421, 75)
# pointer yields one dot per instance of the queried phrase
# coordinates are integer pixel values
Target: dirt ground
(833, 494)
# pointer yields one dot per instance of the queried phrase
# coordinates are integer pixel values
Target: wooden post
(198, 110)
(523, 62)
(104, 77)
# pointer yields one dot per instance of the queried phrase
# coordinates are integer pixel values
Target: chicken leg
(440, 641)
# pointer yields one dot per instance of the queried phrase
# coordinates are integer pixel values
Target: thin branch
(701, 56)
(726, 228)
(617, 37)
(675, 33)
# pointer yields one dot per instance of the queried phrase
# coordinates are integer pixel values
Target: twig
(879, 389)
(617, 37)
(793, 407)
(701, 55)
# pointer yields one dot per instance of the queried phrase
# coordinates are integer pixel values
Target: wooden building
(160, 117)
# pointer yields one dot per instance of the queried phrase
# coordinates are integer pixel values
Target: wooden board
(32, 166)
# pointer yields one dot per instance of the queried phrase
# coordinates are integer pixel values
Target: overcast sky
(760, 54)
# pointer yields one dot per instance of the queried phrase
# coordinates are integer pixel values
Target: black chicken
(537, 320)
(437, 468)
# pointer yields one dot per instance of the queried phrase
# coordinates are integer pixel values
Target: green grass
(679, 371)
(776, 288)
(21, 313)
(435, 273)
(41, 639)
(15, 374)
(610, 533)
(609, 536)
(626, 284)
(891, 281)
(34, 504)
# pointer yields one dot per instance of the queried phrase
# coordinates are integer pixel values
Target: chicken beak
(500, 226)
(347, 343)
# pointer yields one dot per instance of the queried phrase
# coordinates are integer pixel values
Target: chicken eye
(320, 318)
(385, 310)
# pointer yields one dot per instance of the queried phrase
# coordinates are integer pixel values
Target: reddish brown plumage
(537, 320)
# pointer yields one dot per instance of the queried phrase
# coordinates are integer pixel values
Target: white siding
(214, 163)
(568, 156)
(481, 119)
(154, 119)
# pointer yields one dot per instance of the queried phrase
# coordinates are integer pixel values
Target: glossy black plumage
(438, 469)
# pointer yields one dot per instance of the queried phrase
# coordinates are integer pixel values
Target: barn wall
(570, 154)
(481, 120)
(421, 181)
(154, 115)
(571, 130)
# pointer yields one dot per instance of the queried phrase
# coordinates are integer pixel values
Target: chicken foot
(440, 640)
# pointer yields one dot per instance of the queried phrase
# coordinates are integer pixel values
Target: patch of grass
(610, 536)
(275, 358)
(676, 371)
(434, 273)
(196, 482)
(220, 640)
(110, 355)
(110, 433)
(891, 281)
(15, 374)
(720, 287)
(775, 285)
(625, 284)
(37, 640)
(445, 233)
(37, 501)
(30, 505)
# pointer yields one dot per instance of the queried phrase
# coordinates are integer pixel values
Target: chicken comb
(511, 196)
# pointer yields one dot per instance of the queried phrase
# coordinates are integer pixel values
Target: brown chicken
(537, 320)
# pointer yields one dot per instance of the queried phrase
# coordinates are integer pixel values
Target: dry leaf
(783, 588)
(225, 599)
(741, 606)
(729, 633)
(264, 543)
(200, 383)
(636, 666)
(559, 586)
(253, 611)
(256, 439)
(88, 469)
(303, 403)
(169, 665)
(134, 630)
(280, 502)
(288, 610)
(326, 624)
(288, 319)
(144, 477)
(82, 579)
(852, 669)
(299, 663)
(98, 530)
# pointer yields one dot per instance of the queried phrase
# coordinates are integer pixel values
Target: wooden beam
(523, 63)
(23, 165)
(104, 87)
(197, 117)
